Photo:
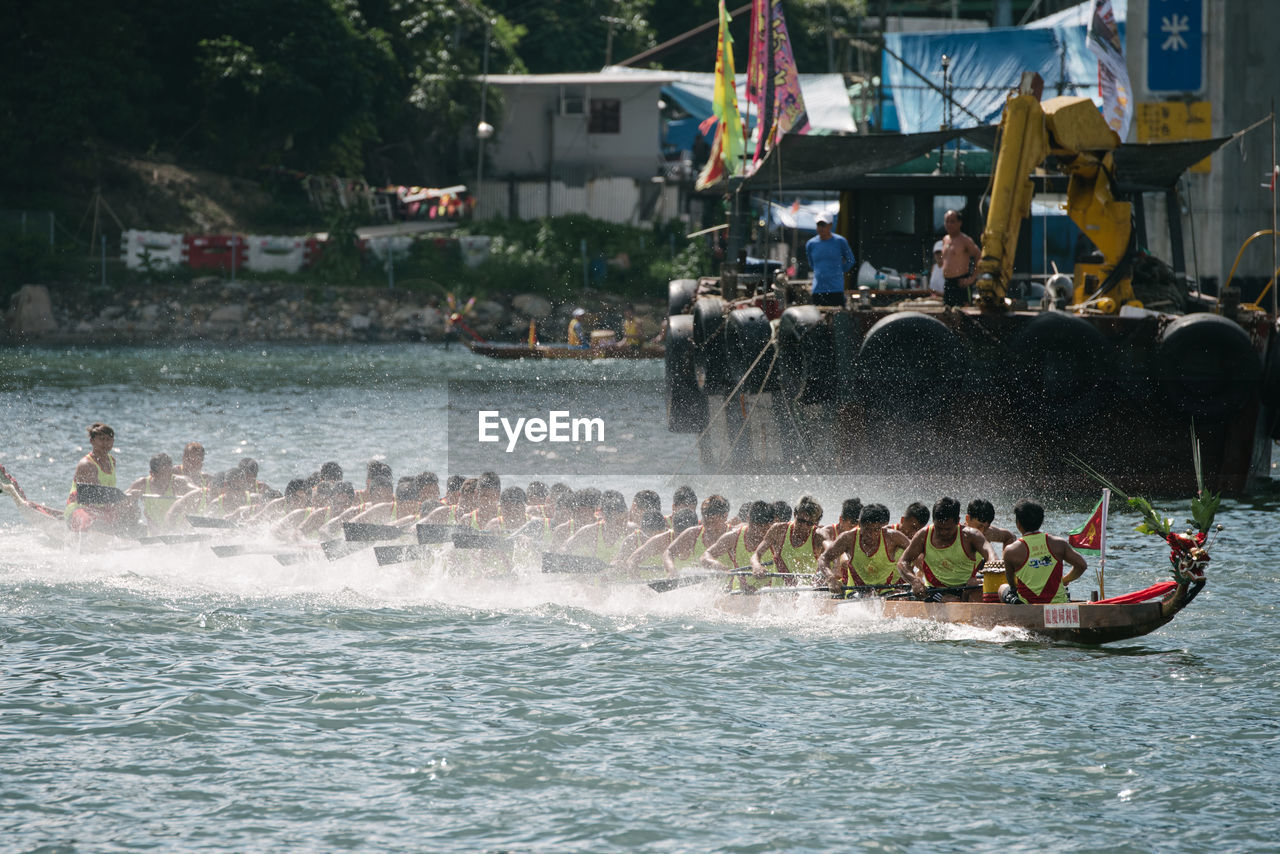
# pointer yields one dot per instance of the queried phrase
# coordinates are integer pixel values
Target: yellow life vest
(155, 505)
(950, 566)
(1040, 578)
(874, 568)
(799, 558)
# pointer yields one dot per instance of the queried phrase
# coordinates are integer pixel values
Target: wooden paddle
(96, 495)
(172, 539)
(335, 549)
(666, 585)
(580, 564)
(211, 522)
(387, 555)
(490, 540)
(290, 558)
(367, 532)
(236, 550)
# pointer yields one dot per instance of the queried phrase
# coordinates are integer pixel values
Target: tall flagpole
(1102, 546)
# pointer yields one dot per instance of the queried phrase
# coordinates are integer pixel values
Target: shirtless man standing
(960, 255)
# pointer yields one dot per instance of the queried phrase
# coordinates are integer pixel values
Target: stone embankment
(219, 310)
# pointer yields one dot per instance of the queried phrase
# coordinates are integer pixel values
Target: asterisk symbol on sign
(1175, 25)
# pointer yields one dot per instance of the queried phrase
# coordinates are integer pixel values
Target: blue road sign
(1175, 45)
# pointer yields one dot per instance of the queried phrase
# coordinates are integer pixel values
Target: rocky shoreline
(213, 309)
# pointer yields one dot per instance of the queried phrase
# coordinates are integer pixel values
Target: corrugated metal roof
(635, 77)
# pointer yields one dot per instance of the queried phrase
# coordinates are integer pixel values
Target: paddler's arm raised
(178, 512)
(584, 536)
(831, 557)
(651, 547)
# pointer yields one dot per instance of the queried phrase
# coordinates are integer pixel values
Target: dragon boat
(1092, 623)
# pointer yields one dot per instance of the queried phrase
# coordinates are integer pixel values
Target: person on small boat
(960, 256)
(979, 516)
(830, 258)
(326, 521)
(488, 497)
(331, 471)
(577, 335)
(952, 554)
(159, 490)
(781, 511)
(734, 549)
(192, 467)
(915, 518)
(375, 469)
(692, 543)
(1033, 563)
(793, 546)
(97, 467)
(513, 514)
(255, 487)
(870, 549)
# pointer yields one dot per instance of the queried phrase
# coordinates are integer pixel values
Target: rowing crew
(861, 550)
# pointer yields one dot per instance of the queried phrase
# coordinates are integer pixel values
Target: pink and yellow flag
(773, 84)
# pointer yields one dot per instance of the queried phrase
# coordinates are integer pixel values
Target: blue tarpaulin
(984, 66)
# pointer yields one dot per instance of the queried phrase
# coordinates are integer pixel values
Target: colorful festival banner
(773, 86)
(728, 149)
(1113, 76)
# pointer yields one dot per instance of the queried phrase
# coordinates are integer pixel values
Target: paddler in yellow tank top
(793, 546)
(602, 539)
(871, 548)
(645, 560)
(159, 491)
(734, 549)
(96, 467)
(692, 543)
(1033, 564)
(950, 554)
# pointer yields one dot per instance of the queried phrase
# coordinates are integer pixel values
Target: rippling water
(161, 698)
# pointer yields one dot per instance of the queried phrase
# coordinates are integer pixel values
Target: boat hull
(1077, 622)
(562, 351)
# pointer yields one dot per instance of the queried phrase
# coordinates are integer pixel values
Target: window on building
(606, 116)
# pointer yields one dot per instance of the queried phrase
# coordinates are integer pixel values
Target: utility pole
(612, 21)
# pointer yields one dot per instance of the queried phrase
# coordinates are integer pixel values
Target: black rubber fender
(709, 316)
(680, 293)
(910, 363)
(1058, 363)
(747, 335)
(806, 356)
(1206, 366)
(1271, 374)
(686, 403)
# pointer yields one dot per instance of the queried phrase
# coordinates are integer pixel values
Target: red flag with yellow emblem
(1090, 536)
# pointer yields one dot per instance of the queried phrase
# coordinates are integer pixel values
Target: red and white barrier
(214, 252)
(276, 254)
(161, 250)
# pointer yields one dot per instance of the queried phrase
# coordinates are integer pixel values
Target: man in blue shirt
(829, 258)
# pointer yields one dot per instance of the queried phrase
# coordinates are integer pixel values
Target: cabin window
(942, 204)
(606, 116)
(892, 213)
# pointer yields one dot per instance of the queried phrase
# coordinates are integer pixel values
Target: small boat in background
(496, 350)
